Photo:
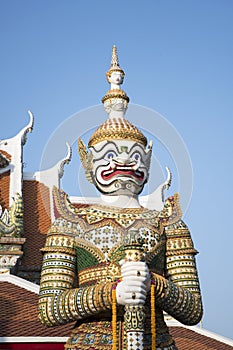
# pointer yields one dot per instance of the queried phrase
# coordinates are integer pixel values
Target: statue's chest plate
(105, 229)
(124, 218)
(106, 237)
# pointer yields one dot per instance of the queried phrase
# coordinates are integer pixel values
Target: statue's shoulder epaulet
(63, 208)
(171, 212)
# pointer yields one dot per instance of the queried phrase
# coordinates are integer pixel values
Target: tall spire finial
(114, 67)
(116, 100)
(114, 61)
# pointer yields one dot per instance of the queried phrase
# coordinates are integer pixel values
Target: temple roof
(191, 339)
(18, 309)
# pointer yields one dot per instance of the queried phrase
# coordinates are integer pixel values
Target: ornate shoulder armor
(171, 212)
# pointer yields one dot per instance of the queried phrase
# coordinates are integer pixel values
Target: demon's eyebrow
(106, 144)
(128, 150)
(136, 146)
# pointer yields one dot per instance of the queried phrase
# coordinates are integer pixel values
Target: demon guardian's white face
(120, 167)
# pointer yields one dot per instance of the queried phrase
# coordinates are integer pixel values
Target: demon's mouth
(122, 170)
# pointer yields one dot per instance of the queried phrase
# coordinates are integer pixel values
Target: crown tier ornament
(116, 100)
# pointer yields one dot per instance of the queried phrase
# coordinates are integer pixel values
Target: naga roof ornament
(115, 101)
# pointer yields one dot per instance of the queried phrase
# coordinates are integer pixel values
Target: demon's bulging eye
(136, 156)
(110, 155)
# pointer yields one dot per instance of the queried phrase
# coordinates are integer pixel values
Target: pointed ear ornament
(86, 159)
(148, 152)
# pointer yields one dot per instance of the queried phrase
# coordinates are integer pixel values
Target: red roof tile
(187, 339)
(36, 221)
(18, 310)
(4, 189)
(5, 154)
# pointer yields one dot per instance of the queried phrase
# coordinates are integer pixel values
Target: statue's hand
(135, 283)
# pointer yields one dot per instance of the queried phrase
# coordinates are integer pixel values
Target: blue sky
(177, 56)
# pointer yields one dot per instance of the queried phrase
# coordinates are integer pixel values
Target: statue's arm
(60, 301)
(178, 292)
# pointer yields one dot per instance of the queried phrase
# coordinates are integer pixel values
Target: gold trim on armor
(91, 248)
(48, 249)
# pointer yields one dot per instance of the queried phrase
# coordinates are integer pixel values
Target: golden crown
(117, 129)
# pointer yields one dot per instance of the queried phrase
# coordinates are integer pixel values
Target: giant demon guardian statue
(116, 267)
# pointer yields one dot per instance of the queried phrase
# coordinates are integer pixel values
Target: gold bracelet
(72, 302)
(91, 299)
(84, 300)
(108, 295)
(96, 297)
(100, 295)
